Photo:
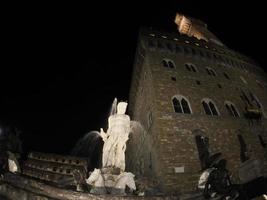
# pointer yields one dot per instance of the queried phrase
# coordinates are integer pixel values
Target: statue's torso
(119, 122)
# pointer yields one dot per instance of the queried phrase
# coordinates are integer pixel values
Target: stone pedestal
(110, 181)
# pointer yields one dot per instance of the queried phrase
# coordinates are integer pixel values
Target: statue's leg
(120, 159)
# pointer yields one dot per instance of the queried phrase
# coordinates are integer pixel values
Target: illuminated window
(181, 105)
(209, 107)
(232, 110)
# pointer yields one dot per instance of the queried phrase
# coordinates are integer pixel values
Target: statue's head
(121, 107)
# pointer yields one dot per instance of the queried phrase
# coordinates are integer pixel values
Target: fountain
(112, 178)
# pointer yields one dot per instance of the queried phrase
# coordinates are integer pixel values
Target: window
(165, 63)
(190, 67)
(169, 47)
(259, 84)
(209, 107)
(263, 144)
(151, 44)
(198, 82)
(210, 71)
(255, 101)
(187, 51)
(226, 76)
(243, 80)
(178, 49)
(171, 64)
(150, 119)
(202, 143)
(173, 78)
(245, 98)
(160, 45)
(181, 105)
(232, 110)
(168, 63)
(243, 148)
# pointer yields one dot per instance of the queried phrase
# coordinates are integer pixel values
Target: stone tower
(192, 97)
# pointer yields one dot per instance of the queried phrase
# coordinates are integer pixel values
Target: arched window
(210, 71)
(171, 64)
(190, 67)
(243, 80)
(210, 107)
(232, 110)
(168, 63)
(181, 105)
(165, 63)
(255, 100)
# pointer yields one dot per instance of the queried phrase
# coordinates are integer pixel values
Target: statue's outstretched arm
(103, 134)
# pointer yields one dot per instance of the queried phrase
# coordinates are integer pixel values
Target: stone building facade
(185, 93)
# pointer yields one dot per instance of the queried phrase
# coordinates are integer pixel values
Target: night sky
(63, 64)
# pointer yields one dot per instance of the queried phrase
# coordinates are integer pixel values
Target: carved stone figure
(13, 164)
(115, 139)
(78, 180)
(125, 178)
(111, 178)
(96, 180)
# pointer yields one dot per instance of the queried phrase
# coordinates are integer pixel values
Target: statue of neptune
(112, 178)
(115, 139)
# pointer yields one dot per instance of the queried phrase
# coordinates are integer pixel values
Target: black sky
(63, 64)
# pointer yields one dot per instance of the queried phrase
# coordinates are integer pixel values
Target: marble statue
(13, 164)
(115, 139)
(97, 181)
(125, 178)
(112, 178)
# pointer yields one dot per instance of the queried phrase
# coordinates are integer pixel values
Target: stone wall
(168, 145)
(54, 168)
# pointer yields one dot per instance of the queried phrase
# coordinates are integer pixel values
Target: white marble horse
(96, 180)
